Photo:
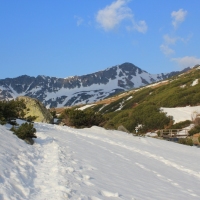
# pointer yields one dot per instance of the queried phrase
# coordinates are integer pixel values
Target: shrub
(110, 125)
(12, 109)
(186, 141)
(31, 118)
(26, 130)
(82, 118)
(13, 122)
(181, 125)
(150, 117)
(53, 113)
(147, 114)
(194, 130)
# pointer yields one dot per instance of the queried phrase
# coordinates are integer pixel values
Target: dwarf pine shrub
(26, 130)
(82, 118)
(186, 141)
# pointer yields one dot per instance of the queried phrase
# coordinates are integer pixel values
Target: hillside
(94, 164)
(143, 106)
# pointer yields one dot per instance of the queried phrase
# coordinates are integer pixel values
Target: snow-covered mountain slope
(59, 92)
(96, 164)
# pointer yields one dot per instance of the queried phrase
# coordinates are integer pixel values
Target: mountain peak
(59, 92)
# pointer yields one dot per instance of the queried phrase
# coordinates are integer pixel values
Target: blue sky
(75, 37)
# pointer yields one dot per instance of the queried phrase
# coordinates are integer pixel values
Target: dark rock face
(58, 92)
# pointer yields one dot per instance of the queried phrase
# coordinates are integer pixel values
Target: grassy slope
(143, 106)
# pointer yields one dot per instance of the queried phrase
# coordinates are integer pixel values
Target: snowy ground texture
(94, 164)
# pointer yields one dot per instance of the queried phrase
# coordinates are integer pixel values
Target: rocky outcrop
(36, 108)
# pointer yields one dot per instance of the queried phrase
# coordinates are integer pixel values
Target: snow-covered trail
(103, 164)
(92, 164)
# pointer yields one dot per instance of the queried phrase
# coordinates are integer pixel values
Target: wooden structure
(174, 133)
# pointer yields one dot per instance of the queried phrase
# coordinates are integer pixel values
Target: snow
(96, 164)
(150, 134)
(86, 106)
(195, 82)
(183, 86)
(129, 98)
(182, 113)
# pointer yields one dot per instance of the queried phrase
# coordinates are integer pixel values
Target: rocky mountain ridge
(59, 92)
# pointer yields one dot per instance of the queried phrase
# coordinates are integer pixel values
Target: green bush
(194, 130)
(110, 125)
(181, 125)
(11, 109)
(148, 115)
(82, 118)
(186, 141)
(26, 130)
(13, 122)
(31, 118)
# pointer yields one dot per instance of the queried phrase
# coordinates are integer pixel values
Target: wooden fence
(174, 133)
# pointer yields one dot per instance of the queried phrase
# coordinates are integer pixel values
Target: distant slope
(142, 106)
(180, 90)
(59, 92)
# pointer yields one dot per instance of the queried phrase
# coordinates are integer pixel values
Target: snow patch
(195, 82)
(86, 106)
(182, 113)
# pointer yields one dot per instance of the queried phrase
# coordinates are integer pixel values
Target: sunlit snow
(182, 113)
(94, 163)
(195, 82)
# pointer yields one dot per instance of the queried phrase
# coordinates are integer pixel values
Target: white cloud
(140, 26)
(79, 20)
(178, 17)
(166, 49)
(112, 15)
(187, 61)
(169, 40)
